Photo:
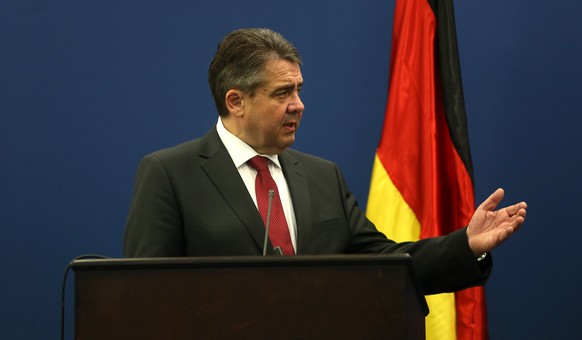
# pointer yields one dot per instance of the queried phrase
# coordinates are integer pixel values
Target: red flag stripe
(416, 148)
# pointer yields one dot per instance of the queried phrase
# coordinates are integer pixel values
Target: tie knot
(259, 163)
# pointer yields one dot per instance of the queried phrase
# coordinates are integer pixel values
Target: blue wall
(88, 87)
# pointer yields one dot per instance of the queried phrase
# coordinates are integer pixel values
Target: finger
(516, 222)
(503, 236)
(522, 213)
(517, 209)
(493, 200)
(506, 232)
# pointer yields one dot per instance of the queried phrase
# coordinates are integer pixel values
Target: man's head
(240, 60)
(256, 78)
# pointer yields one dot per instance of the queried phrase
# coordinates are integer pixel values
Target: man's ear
(234, 102)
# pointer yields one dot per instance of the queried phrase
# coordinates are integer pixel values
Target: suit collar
(219, 167)
(223, 173)
(296, 178)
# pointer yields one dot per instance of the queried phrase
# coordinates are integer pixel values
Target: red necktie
(278, 229)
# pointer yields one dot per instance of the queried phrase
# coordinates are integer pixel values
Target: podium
(273, 297)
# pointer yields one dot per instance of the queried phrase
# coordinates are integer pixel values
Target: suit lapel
(297, 183)
(222, 172)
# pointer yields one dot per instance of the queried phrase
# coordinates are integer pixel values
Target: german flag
(422, 179)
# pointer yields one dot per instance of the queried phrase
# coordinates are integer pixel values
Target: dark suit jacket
(189, 200)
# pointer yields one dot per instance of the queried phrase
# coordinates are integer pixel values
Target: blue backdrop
(88, 87)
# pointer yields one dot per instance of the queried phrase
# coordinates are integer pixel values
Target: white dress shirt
(240, 152)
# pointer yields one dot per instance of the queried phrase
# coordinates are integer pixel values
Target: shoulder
(307, 159)
(184, 148)
(309, 164)
(202, 147)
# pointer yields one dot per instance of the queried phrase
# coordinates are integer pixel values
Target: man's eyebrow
(287, 87)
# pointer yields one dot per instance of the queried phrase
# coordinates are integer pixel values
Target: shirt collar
(239, 151)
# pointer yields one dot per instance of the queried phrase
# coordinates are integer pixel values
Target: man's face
(271, 117)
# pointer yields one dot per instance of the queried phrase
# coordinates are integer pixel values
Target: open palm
(489, 227)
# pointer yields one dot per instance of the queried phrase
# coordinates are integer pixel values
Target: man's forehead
(274, 79)
(283, 69)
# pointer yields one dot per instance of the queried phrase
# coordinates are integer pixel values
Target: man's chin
(284, 145)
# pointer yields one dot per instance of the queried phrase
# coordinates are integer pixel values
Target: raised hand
(489, 227)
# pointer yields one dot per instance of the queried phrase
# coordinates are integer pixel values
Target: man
(198, 198)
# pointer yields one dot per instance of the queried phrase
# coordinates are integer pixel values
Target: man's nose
(296, 105)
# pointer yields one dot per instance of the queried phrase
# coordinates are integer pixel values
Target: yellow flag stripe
(388, 210)
(441, 321)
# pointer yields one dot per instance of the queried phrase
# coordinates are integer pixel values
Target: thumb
(493, 200)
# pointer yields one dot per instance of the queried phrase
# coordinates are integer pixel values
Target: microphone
(271, 195)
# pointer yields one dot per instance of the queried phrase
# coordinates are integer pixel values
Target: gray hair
(240, 60)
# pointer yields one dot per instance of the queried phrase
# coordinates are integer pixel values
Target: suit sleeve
(154, 223)
(442, 264)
